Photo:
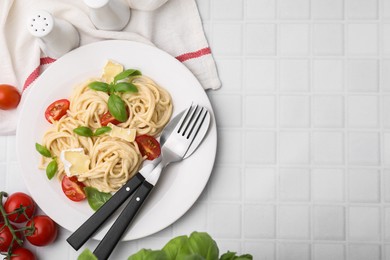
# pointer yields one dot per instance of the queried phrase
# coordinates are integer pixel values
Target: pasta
(112, 160)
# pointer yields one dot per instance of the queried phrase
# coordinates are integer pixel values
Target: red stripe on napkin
(193, 55)
(37, 71)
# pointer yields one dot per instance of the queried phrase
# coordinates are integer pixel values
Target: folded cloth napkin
(174, 27)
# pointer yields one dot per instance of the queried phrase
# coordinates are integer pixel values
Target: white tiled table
(303, 165)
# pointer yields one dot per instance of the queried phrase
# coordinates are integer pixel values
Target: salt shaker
(112, 15)
(146, 5)
(56, 36)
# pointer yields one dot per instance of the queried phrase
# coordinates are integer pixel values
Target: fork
(195, 120)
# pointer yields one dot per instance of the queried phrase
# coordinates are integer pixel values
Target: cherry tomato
(22, 253)
(17, 201)
(9, 97)
(148, 146)
(6, 238)
(107, 118)
(72, 188)
(45, 230)
(57, 109)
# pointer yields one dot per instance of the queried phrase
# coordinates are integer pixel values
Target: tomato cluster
(18, 222)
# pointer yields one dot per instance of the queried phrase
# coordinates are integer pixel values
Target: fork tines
(192, 121)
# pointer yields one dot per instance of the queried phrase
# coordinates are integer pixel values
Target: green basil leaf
(51, 169)
(233, 256)
(117, 108)
(96, 198)
(174, 246)
(87, 255)
(42, 150)
(99, 86)
(126, 74)
(125, 87)
(201, 243)
(83, 131)
(148, 254)
(102, 130)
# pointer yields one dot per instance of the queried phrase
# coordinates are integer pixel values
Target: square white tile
(328, 185)
(363, 111)
(294, 9)
(260, 75)
(225, 178)
(321, 35)
(362, 39)
(363, 148)
(361, 9)
(328, 75)
(293, 251)
(386, 38)
(363, 185)
(386, 111)
(259, 221)
(294, 184)
(329, 223)
(260, 147)
(293, 222)
(294, 147)
(259, 184)
(386, 184)
(329, 10)
(329, 251)
(217, 220)
(328, 147)
(260, 9)
(364, 223)
(262, 250)
(228, 109)
(294, 111)
(230, 71)
(328, 111)
(260, 111)
(260, 39)
(229, 152)
(386, 148)
(385, 75)
(294, 38)
(362, 75)
(294, 75)
(227, 39)
(364, 252)
(232, 9)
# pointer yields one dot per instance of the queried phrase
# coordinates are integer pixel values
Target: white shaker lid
(40, 23)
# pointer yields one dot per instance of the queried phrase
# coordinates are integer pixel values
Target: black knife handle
(89, 227)
(111, 239)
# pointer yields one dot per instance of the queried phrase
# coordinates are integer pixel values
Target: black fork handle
(89, 227)
(111, 239)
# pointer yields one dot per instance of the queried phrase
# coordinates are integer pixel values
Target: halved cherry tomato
(57, 109)
(22, 253)
(9, 97)
(73, 189)
(45, 231)
(6, 238)
(107, 118)
(148, 146)
(15, 202)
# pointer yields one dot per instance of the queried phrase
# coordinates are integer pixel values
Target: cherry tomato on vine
(45, 231)
(57, 109)
(9, 97)
(72, 188)
(6, 238)
(22, 253)
(148, 146)
(17, 201)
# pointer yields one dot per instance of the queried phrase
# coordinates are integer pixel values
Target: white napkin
(174, 27)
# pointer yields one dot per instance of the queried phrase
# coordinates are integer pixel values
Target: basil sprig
(116, 105)
(87, 132)
(52, 167)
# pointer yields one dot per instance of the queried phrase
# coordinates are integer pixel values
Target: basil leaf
(125, 87)
(51, 169)
(148, 254)
(102, 130)
(83, 131)
(96, 198)
(117, 108)
(42, 150)
(126, 74)
(99, 86)
(87, 255)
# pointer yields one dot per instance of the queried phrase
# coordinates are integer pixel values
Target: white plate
(181, 183)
